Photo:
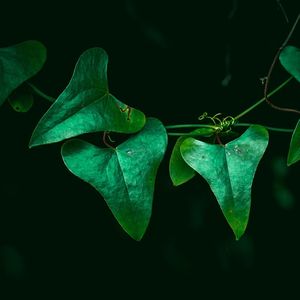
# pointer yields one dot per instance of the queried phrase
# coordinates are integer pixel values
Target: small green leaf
(86, 105)
(124, 176)
(19, 63)
(294, 150)
(180, 171)
(21, 100)
(290, 60)
(229, 171)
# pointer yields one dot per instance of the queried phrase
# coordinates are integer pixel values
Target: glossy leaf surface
(294, 150)
(86, 105)
(19, 63)
(180, 171)
(229, 171)
(124, 176)
(290, 60)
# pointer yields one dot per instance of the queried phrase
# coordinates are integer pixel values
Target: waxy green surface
(86, 105)
(124, 176)
(290, 60)
(229, 171)
(180, 171)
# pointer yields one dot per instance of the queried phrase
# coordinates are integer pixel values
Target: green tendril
(222, 124)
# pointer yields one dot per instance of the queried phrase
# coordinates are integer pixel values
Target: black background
(58, 239)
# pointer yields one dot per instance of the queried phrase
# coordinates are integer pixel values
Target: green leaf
(294, 150)
(124, 176)
(18, 63)
(229, 171)
(290, 60)
(86, 105)
(21, 100)
(180, 171)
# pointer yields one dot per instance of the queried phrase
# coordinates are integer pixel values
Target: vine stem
(190, 126)
(263, 99)
(268, 78)
(287, 130)
(284, 130)
(40, 93)
(183, 134)
(179, 126)
(283, 11)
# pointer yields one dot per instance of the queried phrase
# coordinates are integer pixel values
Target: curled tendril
(214, 119)
(203, 116)
(222, 124)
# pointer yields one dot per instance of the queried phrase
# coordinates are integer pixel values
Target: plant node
(222, 124)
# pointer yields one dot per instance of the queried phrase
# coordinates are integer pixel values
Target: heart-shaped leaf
(294, 150)
(180, 171)
(229, 171)
(86, 105)
(18, 63)
(290, 60)
(124, 176)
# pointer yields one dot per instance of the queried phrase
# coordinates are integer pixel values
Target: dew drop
(237, 149)
(129, 152)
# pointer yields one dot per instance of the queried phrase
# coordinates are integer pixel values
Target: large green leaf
(124, 176)
(180, 171)
(18, 63)
(86, 105)
(290, 60)
(229, 170)
(294, 150)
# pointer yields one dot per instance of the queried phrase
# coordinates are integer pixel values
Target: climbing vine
(124, 174)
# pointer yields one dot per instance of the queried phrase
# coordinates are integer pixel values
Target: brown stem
(267, 82)
(105, 135)
(219, 140)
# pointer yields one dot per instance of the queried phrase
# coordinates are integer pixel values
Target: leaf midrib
(107, 94)
(120, 165)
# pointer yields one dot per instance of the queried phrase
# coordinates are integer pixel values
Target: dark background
(58, 239)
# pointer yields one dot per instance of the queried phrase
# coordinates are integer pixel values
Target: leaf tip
(239, 233)
(238, 230)
(237, 237)
(136, 235)
(34, 141)
(31, 143)
(179, 181)
(137, 238)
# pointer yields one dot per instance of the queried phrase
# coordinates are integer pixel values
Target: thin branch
(190, 126)
(184, 134)
(267, 82)
(263, 99)
(287, 130)
(40, 93)
(283, 11)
